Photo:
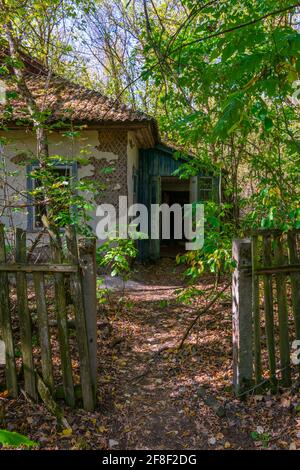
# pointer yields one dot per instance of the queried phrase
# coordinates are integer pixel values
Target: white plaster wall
(16, 179)
(20, 141)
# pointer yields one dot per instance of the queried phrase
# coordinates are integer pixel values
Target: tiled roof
(68, 101)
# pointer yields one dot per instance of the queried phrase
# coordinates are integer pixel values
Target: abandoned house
(111, 134)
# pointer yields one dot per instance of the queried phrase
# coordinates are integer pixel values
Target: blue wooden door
(155, 198)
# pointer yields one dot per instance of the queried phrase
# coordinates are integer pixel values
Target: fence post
(242, 315)
(87, 387)
(87, 255)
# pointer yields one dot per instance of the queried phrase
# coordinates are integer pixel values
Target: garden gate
(266, 308)
(76, 269)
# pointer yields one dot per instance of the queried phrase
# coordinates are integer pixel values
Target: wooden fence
(75, 269)
(266, 308)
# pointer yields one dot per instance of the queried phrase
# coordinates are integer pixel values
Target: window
(205, 188)
(37, 209)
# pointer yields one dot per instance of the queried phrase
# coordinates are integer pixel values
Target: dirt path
(156, 400)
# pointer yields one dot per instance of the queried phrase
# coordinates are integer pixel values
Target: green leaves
(273, 207)
(215, 256)
(229, 97)
(14, 439)
(268, 124)
(117, 254)
(231, 117)
(261, 436)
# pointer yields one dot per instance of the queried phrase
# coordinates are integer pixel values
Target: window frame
(202, 190)
(31, 227)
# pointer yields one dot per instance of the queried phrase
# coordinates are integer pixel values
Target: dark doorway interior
(173, 191)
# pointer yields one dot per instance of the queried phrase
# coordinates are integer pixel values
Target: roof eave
(146, 132)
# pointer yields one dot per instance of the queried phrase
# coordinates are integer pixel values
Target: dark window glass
(205, 188)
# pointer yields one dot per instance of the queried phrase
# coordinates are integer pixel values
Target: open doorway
(174, 191)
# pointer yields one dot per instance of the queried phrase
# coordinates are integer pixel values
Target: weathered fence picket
(24, 317)
(275, 260)
(294, 259)
(59, 273)
(44, 334)
(63, 333)
(268, 308)
(82, 338)
(284, 343)
(256, 312)
(242, 315)
(5, 321)
(87, 259)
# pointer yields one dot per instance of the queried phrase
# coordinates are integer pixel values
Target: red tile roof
(66, 101)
